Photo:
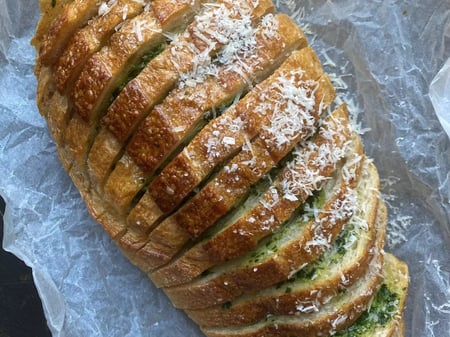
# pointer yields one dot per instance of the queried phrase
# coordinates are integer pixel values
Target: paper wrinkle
(440, 96)
(387, 54)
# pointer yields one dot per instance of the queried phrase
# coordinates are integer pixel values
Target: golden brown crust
(105, 150)
(248, 166)
(171, 122)
(88, 40)
(110, 63)
(123, 184)
(238, 277)
(259, 221)
(287, 298)
(141, 93)
(162, 129)
(208, 149)
(49, 11)
(103, 73)
(322, 325)
(171, 13)
(210, 194)
(72, 16)
(125, 87)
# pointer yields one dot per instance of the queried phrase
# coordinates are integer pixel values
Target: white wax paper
(439, 95)
(386, 51)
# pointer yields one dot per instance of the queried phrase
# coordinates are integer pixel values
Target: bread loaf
(204, 137)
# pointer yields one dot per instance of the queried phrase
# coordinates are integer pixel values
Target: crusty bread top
(193, 130)
(341, 310)
(241, 231)
(315, 284)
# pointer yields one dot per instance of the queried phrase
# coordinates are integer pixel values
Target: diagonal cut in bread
(90, 39)
(184, 112)
(196, 47)
(70, 16)
(259, 216)
(197, 133)
(160, 247)
(138, 39)
(186, 167)
(315, 284)
(343, 310)
(300, 241)
(229, 186)
(226, 135)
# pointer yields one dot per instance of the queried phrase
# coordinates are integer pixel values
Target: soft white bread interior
(205, 138)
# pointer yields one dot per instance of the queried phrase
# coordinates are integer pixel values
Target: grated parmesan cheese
(303, 171)
(294, 114)
(218, 26)
(106, 6)
(137, 29)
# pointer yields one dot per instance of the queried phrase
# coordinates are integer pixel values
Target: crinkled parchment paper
(384, 55)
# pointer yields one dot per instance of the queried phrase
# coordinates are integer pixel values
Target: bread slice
(240, 122)
(82, 45)
(72, 15)
(342, 310)
(60, 19)
(50, 10)
(384, 316)
(337, 269)
(236, 73)
(251, 164)
(241, 230)
(103, 73)
(90, 39)
(300, 241)
(74, 141)
(177, 132)
(185, 53)
(162, 246)
(226, 135)
(207, 35)
(339, 311)
(179, 117)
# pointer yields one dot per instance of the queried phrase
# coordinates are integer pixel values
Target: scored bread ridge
(224, 136)
(82, 45)
(251, 164)
(202, 40)
(73, 15)
(105, 71)
(135, 37)
(236, 73)
(389, 303)
(58, 22)
(206, 36)
(169, 237)
(180, 116)
(317, 283)
(90, 38)
(340, 313)
(274, 280)
(49, 11)
(242, 118)
(300, 241)
(261, 216)
(58, 111)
